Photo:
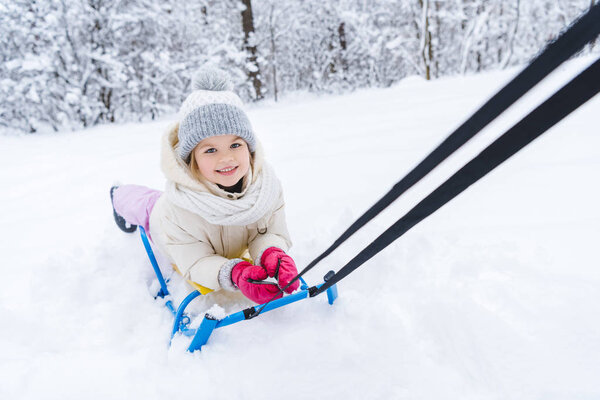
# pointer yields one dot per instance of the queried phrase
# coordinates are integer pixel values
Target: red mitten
(249, 279)
(280, 265)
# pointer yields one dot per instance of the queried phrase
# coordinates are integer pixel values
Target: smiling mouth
(228, 170)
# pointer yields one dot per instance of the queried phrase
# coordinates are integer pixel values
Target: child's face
(223, 160)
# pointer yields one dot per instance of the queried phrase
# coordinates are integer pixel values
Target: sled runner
(200, 335)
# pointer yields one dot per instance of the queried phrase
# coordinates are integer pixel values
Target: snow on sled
(200, 335)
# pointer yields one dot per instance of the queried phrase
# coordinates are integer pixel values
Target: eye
(211, 150)
(236, 145)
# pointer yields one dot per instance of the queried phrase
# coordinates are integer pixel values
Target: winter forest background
(68, 64)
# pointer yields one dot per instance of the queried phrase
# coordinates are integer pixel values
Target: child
(221, 200)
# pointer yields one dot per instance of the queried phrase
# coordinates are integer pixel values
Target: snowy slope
(495, 296)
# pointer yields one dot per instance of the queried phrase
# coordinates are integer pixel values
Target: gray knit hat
(212, 109)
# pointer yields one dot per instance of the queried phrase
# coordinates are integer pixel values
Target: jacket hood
(177, 171)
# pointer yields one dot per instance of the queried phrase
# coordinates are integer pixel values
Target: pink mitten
(280, 265)
(249, 279)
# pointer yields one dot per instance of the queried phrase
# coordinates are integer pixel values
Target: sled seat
(202, 289)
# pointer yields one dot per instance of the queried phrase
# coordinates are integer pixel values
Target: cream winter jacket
(203, 252)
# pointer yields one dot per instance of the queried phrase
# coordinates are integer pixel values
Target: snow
(495, 296)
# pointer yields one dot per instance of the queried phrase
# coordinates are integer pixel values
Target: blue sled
(201, 335)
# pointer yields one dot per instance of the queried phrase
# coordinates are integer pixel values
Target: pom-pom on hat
(212, 109)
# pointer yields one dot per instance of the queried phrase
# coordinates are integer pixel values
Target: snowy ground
(495, 296)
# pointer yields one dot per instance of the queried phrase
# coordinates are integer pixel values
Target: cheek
(205, 165)
(244, 161)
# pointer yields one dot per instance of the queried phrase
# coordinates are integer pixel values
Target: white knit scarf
(261, 197)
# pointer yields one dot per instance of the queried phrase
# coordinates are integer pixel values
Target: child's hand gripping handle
(249, 279)
(281, 266)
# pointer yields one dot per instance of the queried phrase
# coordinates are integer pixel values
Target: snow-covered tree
(68, 64)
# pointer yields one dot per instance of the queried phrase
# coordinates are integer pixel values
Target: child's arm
(194, 256)
(269, 248)
(272, 233)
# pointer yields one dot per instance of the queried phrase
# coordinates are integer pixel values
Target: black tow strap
(578, 35)
(562, 103)
(581, 32)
